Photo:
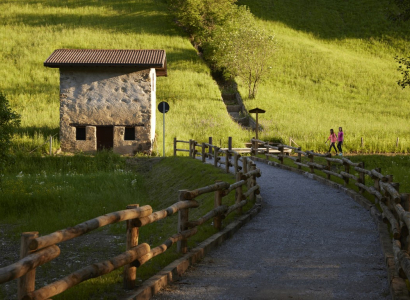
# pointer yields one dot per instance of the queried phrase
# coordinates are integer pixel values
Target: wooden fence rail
(393, 205)
(36, 251)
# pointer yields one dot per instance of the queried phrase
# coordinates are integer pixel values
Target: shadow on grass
(131, 18)
(333, 19)
(35, 131)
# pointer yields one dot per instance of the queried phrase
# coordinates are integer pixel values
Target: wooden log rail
(36, 251)
(210, 151)
(80, 229)
(394, 205)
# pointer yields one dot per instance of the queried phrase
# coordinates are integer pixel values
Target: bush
(9, 121)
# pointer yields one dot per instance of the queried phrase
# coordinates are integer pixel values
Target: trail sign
(164, 108)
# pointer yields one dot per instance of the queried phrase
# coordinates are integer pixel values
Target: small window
(80, 133)
(129, 134)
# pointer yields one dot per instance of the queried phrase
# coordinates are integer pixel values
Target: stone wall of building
(93, 97)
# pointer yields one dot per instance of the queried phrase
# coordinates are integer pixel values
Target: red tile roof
(107, 58)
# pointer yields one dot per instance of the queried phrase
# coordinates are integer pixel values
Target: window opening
(80, 134)
(129, 134)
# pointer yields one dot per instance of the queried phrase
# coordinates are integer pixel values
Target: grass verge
(52, 193)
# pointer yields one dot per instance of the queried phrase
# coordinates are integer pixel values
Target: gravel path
(309, 241)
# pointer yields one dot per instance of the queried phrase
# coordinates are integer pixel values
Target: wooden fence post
(238, 192)
(230, 143)
(217, 203)
(203, 152)
(329, 167)
(362, 178)
(235, 163)
(130, 272)
(347, 170)
(311, 158)
(300, 157)
(227, 155)
(377, 183)
(281, 153)
(210, 143)
(182, 245)
(175, 146)
(267, 151)
(216, 150)
(194, 149)
(190, 148)
(26, 283)
(252, 182)
(362, 142)
(244, 164)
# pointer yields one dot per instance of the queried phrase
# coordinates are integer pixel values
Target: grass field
(31, 31)
(52, 193)
(334, 67)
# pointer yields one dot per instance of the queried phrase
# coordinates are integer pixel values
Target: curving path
(309, 241)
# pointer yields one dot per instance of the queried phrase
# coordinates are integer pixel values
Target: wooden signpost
(257, 111)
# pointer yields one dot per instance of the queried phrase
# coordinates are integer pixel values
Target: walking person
(333, 139)
(340, 140)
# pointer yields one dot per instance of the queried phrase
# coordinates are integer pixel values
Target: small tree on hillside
(242, 49)
(404, 68)
(200, 17)
(9, 120)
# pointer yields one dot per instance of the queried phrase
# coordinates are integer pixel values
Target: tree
(200, 17)
(9, 120)
(241, 48)
(404, 68)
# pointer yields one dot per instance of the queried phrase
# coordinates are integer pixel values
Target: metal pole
(163, 129)
(51, 143)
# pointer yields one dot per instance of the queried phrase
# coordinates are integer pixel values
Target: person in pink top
(340, 141)
(333, 139)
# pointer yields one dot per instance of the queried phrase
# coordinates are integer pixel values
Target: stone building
(107, 98)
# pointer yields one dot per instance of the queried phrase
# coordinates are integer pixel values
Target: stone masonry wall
(118, 97)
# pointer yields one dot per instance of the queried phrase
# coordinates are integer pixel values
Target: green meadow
(46, 194)
(334, 67)
(31, 31)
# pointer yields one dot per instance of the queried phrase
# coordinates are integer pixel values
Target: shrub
(9, 120)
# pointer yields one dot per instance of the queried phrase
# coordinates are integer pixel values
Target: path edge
(398, 287)
(173, 271)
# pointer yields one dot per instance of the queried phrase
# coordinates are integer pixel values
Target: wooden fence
(215, 153)
(394, 206)
(36, 251)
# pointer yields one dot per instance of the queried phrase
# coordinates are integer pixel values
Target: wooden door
(105, 137)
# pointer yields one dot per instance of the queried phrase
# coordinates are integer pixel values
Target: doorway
(105, 137)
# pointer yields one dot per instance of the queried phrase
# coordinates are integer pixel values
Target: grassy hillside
(334, 67)
(30, 31)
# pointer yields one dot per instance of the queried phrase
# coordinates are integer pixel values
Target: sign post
(164, 108)
(257, 111)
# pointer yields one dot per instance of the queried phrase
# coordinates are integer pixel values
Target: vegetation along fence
(37, 250)
(395, 206)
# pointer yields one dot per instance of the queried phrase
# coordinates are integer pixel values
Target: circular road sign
(163, 107)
